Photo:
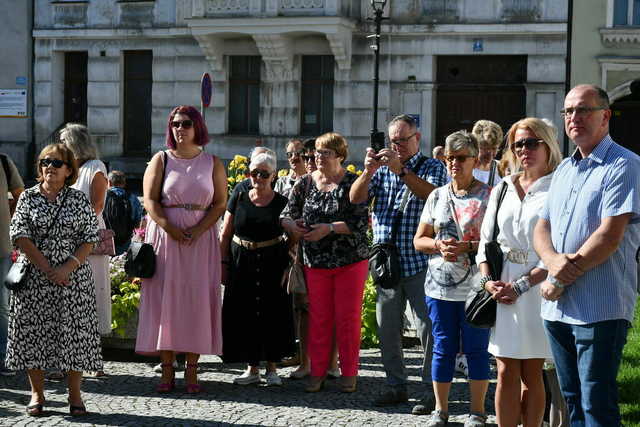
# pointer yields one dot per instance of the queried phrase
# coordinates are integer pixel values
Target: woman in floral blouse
(333, 233)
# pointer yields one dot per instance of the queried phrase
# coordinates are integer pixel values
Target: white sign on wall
(13, 103)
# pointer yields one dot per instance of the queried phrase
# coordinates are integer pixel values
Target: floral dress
(50, 326)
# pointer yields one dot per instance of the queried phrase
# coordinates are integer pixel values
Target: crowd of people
(568, 231)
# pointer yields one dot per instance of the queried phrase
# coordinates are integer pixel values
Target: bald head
(586, 116)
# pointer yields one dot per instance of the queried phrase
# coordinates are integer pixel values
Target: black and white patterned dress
(51, 326)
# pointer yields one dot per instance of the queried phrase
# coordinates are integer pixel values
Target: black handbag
(480, 307)
(384, 258)
(18, 275)
(140, 260)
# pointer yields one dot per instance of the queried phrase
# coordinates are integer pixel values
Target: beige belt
(518, 256)
(189, 207)
(251, 245)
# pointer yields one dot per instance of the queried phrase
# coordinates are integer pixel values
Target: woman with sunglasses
(335, 251)
(296, 168)
(92, 181)
(256, 315)
(449, 231)
(518, 340)
(53, 321)
(185, 191)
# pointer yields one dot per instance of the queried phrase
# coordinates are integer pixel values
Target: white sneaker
(176, 367)
(273, 379)
(247, 378)
(461, 365)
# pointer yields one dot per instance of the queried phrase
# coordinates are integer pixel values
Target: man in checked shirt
(386, 176)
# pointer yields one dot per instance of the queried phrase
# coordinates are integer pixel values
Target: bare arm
(97, 192)
(218, 204)
(417, 185)
(225, 246)
(359, 192)
(603, 242)
(561, 266)
(16, 192)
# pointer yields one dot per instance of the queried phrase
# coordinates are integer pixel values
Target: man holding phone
(388, 173)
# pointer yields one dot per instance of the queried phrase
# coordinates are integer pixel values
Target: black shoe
(392, 396)
(424, 405)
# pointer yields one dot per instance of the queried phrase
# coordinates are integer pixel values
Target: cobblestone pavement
(127, 398)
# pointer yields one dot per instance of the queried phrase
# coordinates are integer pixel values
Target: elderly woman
(335, 251)
(256, 315)
(518, 340)
(449, 230)
(489, 135)
(53, 322)
(185, 191)
(92, 181)
(294, 152)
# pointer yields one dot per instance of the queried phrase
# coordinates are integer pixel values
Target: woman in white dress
(92, 181)
(517, 340)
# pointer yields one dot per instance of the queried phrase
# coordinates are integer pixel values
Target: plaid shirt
(388, 188)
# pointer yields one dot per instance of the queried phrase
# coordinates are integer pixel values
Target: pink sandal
(193, 388)
(167, 387)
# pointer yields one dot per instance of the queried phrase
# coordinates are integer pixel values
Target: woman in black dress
(256, 311)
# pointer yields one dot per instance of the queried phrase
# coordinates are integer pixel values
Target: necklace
(463, 192)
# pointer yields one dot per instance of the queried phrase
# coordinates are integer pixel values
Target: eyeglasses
(460, 159)
(400, 141)
(528, 143)
(580, 111)
(325, 153)
(309, 158)
(260, 173)
(56, 163)
(291, 154)
(185, 124)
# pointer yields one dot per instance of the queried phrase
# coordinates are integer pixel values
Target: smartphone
(377, 141)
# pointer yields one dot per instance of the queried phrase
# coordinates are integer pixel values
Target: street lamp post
(377, 138)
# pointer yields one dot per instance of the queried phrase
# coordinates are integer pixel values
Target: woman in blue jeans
(449, 231)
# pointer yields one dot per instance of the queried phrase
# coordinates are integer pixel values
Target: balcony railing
(225, 8)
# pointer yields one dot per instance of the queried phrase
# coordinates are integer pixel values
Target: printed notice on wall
(13, 103)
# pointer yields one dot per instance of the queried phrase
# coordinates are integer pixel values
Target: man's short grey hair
(405, 118)
(438, 150)
(76, 136)
(265, 158)
(117, 178)
(260, 149)
(461, 140)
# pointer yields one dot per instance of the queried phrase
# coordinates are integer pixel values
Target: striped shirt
(388, 189)
(583, 192)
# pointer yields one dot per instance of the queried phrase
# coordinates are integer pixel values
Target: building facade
(286, 68)
(606, 51)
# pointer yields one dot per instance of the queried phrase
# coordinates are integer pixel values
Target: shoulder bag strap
(55, 218)
(403, 204)
(164, 173)
(496, 227)
(492, 173)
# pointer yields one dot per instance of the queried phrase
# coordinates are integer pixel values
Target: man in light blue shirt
(587, 238)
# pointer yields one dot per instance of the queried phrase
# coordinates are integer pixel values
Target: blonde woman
(489, 135)
(518, 340)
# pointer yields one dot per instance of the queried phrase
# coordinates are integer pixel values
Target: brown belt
(189, 207)
(251, 245)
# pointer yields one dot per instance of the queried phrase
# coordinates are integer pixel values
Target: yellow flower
(239, 178)
(283, 172)
(351, 168)
(231, 180)
(241, 167)
(232, 164)
(240, 159)
(358, 172)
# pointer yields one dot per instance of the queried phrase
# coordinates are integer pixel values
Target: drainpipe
(567, 78)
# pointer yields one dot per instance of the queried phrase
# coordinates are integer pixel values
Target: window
(317, 95)
(626, 12)
(244, 95)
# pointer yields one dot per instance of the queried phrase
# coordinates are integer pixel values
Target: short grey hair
(117, 178)
(438, 150)
(266, 158)
(405, 118)
(462, 140)
(260, 149)
(76, 136)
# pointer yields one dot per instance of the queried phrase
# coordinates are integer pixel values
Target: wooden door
(75, 87)
(138, 80)
(624, 117)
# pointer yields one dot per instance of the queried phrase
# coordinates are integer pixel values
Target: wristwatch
(403, 172)
(555, 282)
(331, 230)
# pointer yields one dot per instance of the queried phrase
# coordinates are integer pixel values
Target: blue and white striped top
(583, 192)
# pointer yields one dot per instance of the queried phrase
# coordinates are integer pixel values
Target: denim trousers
(390, 308)
(5, 264)
(587, 358)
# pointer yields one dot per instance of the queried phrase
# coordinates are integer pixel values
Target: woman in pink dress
(184, 194)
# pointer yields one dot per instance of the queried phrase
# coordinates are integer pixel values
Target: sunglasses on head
(260, 173)
(309, 158)
(51, 162)
(528, 143)
(185, 124)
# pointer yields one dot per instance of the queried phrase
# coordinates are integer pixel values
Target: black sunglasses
(460, 159)
(291, 154)
(51, 162)
(260, 173)
(309, 158)
(528, 143)
(186, 124)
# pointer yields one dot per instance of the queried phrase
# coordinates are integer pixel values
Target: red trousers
(335, 304)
